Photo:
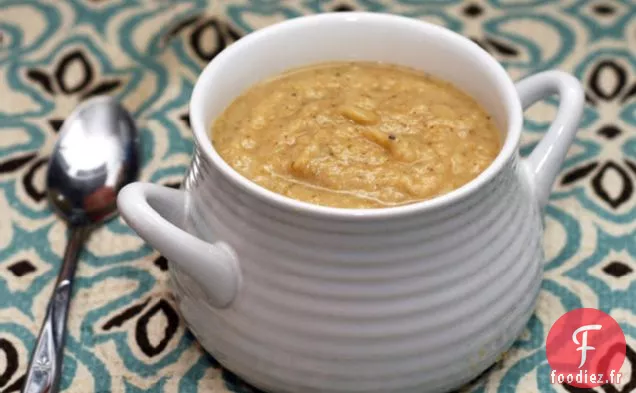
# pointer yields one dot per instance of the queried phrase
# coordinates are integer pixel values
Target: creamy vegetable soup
(356, 135)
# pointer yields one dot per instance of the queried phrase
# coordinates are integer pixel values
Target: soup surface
(356, 135)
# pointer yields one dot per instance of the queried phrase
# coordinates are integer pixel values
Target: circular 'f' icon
(585, 348)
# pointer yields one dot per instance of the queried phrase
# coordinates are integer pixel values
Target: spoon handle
(43, 374)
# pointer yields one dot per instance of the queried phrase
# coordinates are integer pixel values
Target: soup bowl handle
(547, 157)
(152, 210)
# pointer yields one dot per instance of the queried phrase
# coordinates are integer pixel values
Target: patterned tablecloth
(124, 332)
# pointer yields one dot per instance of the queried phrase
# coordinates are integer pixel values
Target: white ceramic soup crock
(296, 297)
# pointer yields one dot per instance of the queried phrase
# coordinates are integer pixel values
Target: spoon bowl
(95, 156)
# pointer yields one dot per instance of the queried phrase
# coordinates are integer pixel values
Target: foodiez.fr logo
(585, 348)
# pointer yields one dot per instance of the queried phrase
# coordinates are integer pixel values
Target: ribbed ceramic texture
(413, 304)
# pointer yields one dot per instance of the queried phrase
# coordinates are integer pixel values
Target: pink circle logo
(585, 348)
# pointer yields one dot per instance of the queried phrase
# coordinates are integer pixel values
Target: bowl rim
(204, 143)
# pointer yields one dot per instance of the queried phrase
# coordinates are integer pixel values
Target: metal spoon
(95, 156)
